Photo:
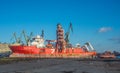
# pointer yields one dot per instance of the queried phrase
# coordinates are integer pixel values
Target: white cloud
(104, 29)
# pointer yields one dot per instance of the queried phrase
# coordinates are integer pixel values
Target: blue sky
(96, 21)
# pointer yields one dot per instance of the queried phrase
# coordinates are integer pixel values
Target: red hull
(25, 49)
(33, 50)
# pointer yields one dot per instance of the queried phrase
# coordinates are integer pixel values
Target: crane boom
(89, 44)
(14, 34)
(26, 38)
(42, 34)
(68, 33)
(29, 38)
(18, 40)
(87, 48)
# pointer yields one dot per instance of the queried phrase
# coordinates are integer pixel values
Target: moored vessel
(59, 48)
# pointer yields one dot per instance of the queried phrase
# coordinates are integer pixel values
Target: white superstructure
(38, 41)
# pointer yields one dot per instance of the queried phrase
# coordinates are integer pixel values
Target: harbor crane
(27, 38)
(67, 34)
(17, 40)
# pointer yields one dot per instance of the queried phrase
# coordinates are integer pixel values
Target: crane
(88, 46)
(68, 33)
(14, 34)
(27, 38)
(18, 40)
(30, 37)
(42, 34)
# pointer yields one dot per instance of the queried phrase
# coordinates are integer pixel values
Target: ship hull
(32, 51)
(25, 49)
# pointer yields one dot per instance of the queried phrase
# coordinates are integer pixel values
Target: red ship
(55, 48)
(107, 54)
